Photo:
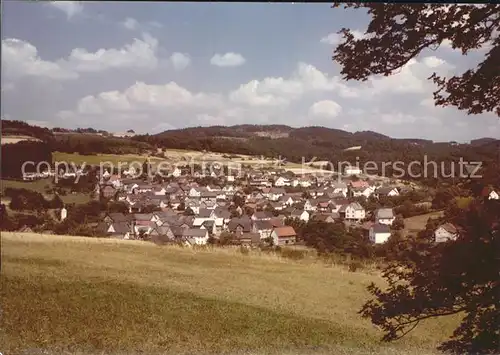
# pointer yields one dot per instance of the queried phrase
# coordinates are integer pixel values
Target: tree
(56, 202)
(442, 199)
(428, 280)
(399, 223)
(189, 212)
(226, 238)
(398, 33)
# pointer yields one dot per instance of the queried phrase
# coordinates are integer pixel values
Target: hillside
(106, 296)
(323, 143)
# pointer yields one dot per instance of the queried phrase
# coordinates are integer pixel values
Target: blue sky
(156, 66)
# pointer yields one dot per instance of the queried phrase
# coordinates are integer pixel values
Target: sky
(156, 66)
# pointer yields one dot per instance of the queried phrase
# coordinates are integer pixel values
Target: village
(252, 206)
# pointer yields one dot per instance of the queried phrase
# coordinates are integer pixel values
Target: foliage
(399, 223)
(24, 199)
(398, 33)
(20, 128)
(13, 157)
(90, 144)
(226, 238)
(428, 280)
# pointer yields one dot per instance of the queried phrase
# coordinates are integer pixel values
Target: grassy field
(99, 296)
(418, 223)
(39, 186)
(16, 139)
(97, 159)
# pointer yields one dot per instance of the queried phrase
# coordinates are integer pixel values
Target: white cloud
(268, 92)
(229, 59)
(138, 54)
(70, 8)
(20, 58)
(433, 62)
(133, 24)
(325, 108)
(140, 102)
(180, 61)
(130, 23)
(335, 39)
(278, 91)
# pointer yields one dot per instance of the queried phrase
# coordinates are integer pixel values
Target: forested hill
(320, 142)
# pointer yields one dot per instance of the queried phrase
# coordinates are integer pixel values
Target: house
(240, 225)
(323, 205)
(278, 221)
(287, 200)
(176, 172)
(352, 170)
(150, 217)
(209, 225)
(353, 211)
(387, 191)
(275, 193)
(63, 214)
(194, 236)
(304, 183)
(162, 235)
(249, 239)
(116, 217)
(340, 187)
(445, 232)
(159, 190)
(143, 226)
(379, 233)
(115, 180)
(359, 183)
(108, 191)
(489, 193)
(278, 206)
(284, 236)
(384, 216)
(325, 217)
(119, 230)
(365, 191)
(282, 181)
(308, 206)
(262, 215)
(194, 192)
(142, 188)
(263, 227)
(300, 214)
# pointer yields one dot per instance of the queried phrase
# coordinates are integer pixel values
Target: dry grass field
(16, 139)
(178, 155)
(73, 295)
(418, 223)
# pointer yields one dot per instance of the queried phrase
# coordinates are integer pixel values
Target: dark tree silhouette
(399, 32)
(428, 280)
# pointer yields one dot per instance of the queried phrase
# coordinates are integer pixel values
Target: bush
(244, 250)
(355, 266)
(294, 254)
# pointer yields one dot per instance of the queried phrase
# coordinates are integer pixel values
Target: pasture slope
(73, 295)
(182, 157)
